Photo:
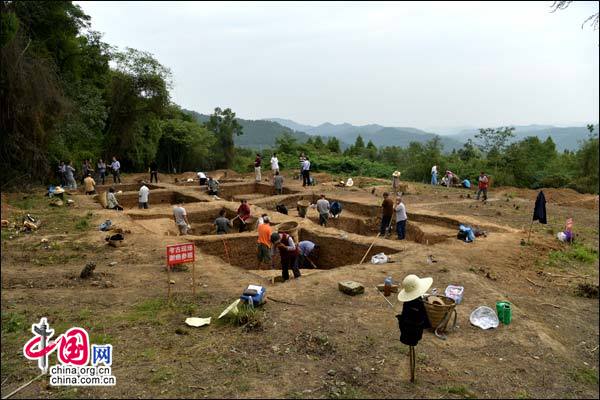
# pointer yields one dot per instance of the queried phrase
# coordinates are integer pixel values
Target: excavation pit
(157, 197)
(125, 187)
(247, 191)
(240, 250)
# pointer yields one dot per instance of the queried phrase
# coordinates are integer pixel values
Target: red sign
(181, 253)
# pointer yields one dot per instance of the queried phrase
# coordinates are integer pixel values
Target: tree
(359, 144)
(494, 138)
(286, 143)
(224, 125)
(592, 19)
(371, 151)
(318, 143)
(184, 144)
(139, 99)
(333, 145)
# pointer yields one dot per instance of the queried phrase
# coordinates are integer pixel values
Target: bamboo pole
(369, 249)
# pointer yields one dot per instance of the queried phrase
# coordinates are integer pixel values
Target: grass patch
(147, 310)
(246, 316)
(84, 222)
(162, 374)
(585, 375)
(459, 390)
(14, 322)
(575, 252)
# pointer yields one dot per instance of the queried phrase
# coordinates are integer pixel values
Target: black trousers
(154, 174)
(385, 222)
(102, 176)
(288, 262)
(116, 176)
(306, 178)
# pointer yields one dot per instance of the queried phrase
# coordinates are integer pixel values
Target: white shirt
(201, 175)
(115, 165)
(401, 213)
(305, 165)
(274, 163)
(143, 194)
(434, 169)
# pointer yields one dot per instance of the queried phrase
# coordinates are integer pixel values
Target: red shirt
(244, 212)
(257, 162)
(483, 182)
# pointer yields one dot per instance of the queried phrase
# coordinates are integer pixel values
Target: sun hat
(396, 173)
(413, 287)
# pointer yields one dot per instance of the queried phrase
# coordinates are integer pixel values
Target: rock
(331, 372)
(277, 278)
(44, 240)
(275, 348)
(172, 282)
(351, 288)
(108, 284)
(112, 263)
(95, 283)
(357, 369)
(88, 270)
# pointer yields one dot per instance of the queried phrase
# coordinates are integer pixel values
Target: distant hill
(259, 134)
(380, 135)
(564, 138)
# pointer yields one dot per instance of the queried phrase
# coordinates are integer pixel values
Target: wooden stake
(411, 358)
(369, 249)
(23, 386)
(194, 279)
(530, 228)
(168, 282)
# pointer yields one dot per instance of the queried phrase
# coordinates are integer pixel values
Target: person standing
(387, 210)
(400, 219)
(115, 167)
(482, 185)
(70, 176)
(264, 245)
(396, 181)
(101, 170)
(143, 195)
(154, 171)
(323, 209)
(61, 174)
(449, 179)
(257, 163)
(278, 183)
(434, 175)
(84, 170)
(222, 223)
(243, 213)
(306, 172)
(274, 164)
(288, 253)
(111, 201)
(181, 219)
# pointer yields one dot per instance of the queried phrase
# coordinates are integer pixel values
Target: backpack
(335, 208)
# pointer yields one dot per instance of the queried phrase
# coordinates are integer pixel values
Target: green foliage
(224, 125)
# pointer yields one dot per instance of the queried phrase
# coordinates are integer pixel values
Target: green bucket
(504, 311)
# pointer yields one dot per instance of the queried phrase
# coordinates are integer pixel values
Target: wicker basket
(291, 228)
(436, 313)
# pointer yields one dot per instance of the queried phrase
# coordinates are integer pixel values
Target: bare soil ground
(326, 344)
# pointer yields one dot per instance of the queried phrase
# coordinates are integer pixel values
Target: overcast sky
(421, 64)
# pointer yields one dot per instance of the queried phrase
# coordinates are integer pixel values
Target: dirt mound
(563, 197)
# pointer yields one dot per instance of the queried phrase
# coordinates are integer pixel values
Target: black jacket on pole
(539, 211)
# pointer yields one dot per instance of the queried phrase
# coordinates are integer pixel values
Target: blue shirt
(306, 247)
(467, 183)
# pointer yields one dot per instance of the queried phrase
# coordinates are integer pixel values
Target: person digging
(387, 211)
(288, 253)
(307, 252)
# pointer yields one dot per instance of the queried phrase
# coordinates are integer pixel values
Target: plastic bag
(484, 317)
(379, 259)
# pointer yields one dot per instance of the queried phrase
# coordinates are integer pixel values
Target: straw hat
(396, 173)
(413, 287)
